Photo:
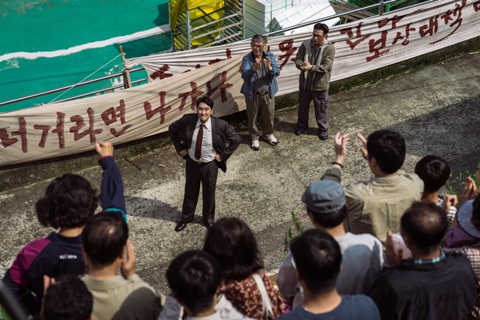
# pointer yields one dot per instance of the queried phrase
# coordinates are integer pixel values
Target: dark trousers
(196, 173)
(321, 101)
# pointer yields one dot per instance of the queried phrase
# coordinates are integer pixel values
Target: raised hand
(129, 261)
(363, 148)
(469, 191)
(268, 62)
(340, 145)
(104, 148)
(257, 64)
(448, 201)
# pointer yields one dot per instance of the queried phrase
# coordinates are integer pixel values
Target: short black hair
(67, 299)
(205, 99)
(317, 258)
(329, 220)
(69, 201)
(425, 224)
(434, 171)
(231, 242)
(258, 38)
(321, 26)
(194, 277)
(104, 238)
(388, 148)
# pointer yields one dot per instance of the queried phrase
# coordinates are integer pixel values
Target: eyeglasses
(258, 46)
(318, 36)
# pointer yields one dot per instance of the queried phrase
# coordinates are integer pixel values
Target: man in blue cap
(363, 256)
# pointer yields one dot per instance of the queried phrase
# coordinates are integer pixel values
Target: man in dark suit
(208, 143)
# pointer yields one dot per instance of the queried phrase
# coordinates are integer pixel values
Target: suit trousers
(321, 101)
(206, 174)
(266, 106)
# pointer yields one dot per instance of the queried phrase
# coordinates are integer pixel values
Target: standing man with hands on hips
(315, 59)
(259, 73)
(208, 143)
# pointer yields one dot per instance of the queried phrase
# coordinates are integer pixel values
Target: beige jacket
(376, 205)
(118, 298)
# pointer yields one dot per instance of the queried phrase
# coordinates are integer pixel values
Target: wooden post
(127, 82)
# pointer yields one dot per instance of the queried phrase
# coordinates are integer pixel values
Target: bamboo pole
(127, 82)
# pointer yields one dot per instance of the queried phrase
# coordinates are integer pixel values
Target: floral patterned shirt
(246, 298)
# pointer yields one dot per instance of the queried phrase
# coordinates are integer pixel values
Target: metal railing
(381, 6)
(80, 84)
(233, 36)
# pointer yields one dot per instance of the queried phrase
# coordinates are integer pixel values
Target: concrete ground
(435, 108)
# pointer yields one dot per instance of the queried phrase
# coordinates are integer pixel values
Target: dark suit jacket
(225, 139)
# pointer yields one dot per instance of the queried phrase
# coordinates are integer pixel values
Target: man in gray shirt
(363, 256)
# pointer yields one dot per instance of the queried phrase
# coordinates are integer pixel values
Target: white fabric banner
(73, 127)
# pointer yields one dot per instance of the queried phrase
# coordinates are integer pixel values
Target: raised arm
(112, 193)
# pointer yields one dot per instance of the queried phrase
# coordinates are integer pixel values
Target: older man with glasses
(259, 73)
(314, 59)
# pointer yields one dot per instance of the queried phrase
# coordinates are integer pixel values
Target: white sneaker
(255, 145)
(271, 139)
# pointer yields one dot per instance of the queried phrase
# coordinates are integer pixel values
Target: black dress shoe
(323, 135)
(180, 226)
(207, 224)
(299, 131)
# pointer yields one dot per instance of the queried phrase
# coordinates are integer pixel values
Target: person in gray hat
(363, 256)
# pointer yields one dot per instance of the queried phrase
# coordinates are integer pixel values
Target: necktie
(198, 145)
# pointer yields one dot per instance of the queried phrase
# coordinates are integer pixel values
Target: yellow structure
(202, 16)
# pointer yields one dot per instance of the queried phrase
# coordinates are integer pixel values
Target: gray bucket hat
(324, 196)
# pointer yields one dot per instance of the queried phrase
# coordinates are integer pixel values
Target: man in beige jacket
(377, 204)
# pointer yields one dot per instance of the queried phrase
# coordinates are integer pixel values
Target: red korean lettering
(394, 20)
(357, 36)
(80, 123)
(404, 37)
(455, 16)
(193, 94)
(288, 49)
(223, 86)
(45, 129)
(60, 129)
(197, 66)
(149, 113)
(214, 61)
(476, 6)
(430, 28)
(162, 73)
(376, 46)
(112, 114)
(22, 132)
(228, 53)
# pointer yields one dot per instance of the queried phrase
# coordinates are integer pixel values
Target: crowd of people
(391, 247)
(387, 248)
